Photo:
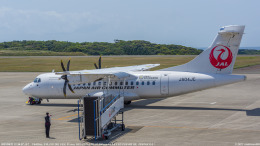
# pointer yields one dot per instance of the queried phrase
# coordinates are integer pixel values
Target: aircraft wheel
(127, 102)
(40, 101)
(106, 137)
(31, 101)
(123, 127)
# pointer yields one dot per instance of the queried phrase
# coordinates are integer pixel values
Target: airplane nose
(26, 89)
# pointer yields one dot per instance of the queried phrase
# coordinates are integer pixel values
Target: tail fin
(220, 57)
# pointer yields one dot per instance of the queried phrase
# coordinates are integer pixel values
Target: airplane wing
(133, 68)
(143, 67)
(87, 76)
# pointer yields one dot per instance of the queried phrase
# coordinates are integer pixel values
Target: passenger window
(137, 83)
(121, 83)
(126, 83)
(115, 83)
(89, 84)
(84, 84)
(94, 83)
(99, 83)
(105, 83)
(153, 82)
(148, 82)
(142, 82)
(132, 83)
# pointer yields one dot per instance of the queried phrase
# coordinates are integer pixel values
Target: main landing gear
(127, 102)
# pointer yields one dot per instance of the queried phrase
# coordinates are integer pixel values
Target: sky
(192, 23)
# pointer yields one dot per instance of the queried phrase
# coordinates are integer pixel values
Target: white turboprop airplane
(213, 67)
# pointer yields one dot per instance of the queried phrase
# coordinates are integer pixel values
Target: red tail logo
(223, 60)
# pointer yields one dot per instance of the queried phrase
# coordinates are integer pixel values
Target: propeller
(99, 64)
(65, 77)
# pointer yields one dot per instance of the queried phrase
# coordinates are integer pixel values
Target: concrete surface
(227, 115)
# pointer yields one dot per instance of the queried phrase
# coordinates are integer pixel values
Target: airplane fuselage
(144, 84)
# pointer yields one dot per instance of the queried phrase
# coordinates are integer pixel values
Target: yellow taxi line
(66, 117)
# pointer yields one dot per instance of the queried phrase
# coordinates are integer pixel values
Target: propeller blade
(99, 63)
(70, 88)
(62, 66)
(68, 65)
(65, 77)
(64, 87)
(95, 65)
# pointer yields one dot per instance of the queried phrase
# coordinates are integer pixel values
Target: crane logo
(224, 57)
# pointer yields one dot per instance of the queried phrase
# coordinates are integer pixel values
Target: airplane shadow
(114, 135)
(145, 102)
(253, 112)
(74, 120)
(58, 104)
(62, 105)
(138, 102)
(143, 105)
(179, 108)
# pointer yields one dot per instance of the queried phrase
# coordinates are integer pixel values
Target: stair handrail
(102, 110)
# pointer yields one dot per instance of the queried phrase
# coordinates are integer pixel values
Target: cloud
(179, 22)
(40, 23)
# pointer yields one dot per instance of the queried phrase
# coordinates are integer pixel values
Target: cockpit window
(37, 80)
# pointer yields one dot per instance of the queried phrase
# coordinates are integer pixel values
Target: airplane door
(164, 84)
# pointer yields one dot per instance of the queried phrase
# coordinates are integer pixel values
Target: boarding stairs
(97, 115)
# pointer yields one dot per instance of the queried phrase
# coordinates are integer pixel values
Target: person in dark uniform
(47, 125)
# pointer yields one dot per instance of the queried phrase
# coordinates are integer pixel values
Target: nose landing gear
(33, 100)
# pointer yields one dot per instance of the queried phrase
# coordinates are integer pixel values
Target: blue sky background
(186, 22)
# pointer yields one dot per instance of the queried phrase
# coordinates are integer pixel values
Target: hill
(248, 52)
(119, 47)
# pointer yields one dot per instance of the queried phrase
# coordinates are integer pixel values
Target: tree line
(118, 47)
(248, 52)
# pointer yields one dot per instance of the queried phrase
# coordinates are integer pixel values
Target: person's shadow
(52, 138)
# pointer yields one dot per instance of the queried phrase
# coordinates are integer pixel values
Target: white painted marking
(213, 103)
(190, 102)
